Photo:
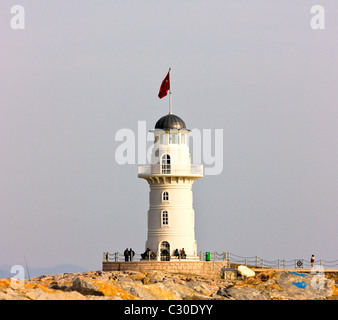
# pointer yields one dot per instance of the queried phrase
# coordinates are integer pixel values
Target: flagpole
(170, 102)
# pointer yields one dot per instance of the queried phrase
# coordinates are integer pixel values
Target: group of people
(148, 254)
(129, 255)
(180, 254)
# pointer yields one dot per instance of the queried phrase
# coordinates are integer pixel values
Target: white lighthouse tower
(171, 222)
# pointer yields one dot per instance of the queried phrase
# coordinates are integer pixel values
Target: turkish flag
(165, 86)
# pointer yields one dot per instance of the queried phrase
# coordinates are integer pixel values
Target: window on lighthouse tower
(165, 164)
(173, 138)
(183, 138)
(165, 196)
(165, 218)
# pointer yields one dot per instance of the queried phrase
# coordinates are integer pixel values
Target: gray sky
(82, 70)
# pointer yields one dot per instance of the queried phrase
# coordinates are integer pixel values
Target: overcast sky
(82, 70)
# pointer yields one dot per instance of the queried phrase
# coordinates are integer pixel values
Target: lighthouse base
(201, 268)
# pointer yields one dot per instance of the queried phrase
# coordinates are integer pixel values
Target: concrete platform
(201, 268)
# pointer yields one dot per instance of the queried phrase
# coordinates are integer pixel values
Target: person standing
(131, 254)
(312, 260)
(126, 255)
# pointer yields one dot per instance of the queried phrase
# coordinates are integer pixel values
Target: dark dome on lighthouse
(170, 121)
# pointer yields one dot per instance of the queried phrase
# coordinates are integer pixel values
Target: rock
(245, 271)
(57, 286)
(112, 291)
(86, 288)
(10, 294)
(138, 276)
(223, 292)
(139, 291)
(155, 276)
(39, 294)
(245, 293)
(155, 285)
(265, 276)
(199, 288)
(300, 286)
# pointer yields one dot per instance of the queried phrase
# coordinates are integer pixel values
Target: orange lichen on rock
(5, 283)
(335, 291)
(111, 290)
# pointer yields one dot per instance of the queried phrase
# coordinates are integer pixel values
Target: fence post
(303, 263)
(229, 258)
(262, 263)
(201, 255)
(278, 264)
(320, 263)
(256, 261)
(224, 256)
(283, 263)
(246, 261)
(215, 256)
(295, 264)
(116, 256)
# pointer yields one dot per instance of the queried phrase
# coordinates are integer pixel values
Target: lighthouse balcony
(195, 170)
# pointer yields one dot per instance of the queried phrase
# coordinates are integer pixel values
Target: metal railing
(255, 261)
(233, 259)
(193, 169)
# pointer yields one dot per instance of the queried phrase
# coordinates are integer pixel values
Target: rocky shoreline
(156, 285)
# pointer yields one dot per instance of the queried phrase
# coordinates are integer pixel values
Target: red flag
(165, 86)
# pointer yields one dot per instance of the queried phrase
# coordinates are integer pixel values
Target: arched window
(164, 219)
(165, 196)
(165, 164)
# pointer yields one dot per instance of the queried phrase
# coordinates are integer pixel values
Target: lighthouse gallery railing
(193, 169)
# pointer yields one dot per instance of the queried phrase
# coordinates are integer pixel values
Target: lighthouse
(170, 218)
(170, 175)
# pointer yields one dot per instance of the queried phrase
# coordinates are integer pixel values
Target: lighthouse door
(165, 251)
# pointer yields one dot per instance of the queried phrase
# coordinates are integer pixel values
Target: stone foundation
(201, 268)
